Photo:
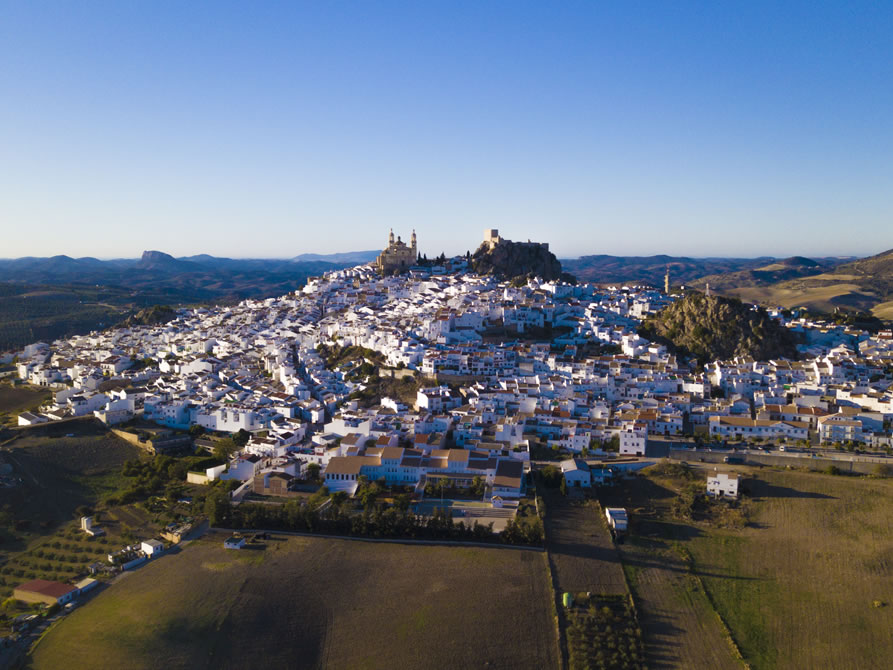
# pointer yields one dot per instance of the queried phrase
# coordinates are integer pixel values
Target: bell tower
(391, 238)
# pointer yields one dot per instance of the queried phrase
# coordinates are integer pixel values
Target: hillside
(511, 260)
(150, 316)
(604, 269)
(777, 271)
(861, 285)
(712, 328)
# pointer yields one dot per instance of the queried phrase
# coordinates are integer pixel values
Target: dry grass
(581, 549)
(316, 603)
(883, 310)
(680, 626)
(818, 297)
(798, 589)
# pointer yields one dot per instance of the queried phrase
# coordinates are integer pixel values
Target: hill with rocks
(509, 260)
(713, 327)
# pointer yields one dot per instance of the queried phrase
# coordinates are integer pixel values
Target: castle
(492, 240)
(398, 256)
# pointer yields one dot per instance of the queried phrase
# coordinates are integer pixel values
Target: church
(398, 257)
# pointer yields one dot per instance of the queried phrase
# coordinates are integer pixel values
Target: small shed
(152, 548)
(617, 518)
(234, 542)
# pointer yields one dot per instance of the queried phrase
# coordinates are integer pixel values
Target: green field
(316, 603)
(808, 583)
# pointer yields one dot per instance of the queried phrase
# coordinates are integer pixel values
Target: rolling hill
(604, 269)
(771, 273)
(864, 285)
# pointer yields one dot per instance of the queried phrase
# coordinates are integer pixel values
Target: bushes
(374, 521)
(551, 476)
(605, 634)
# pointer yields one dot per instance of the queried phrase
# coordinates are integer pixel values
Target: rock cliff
(713, 328)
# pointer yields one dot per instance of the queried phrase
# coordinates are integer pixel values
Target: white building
(633, 442)
(576, 473)
(723, 485)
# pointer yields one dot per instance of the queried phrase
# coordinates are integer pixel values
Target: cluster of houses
(258, 366)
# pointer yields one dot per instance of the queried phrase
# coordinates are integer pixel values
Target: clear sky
(268, 130)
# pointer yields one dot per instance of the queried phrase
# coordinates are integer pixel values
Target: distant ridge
(352, 257)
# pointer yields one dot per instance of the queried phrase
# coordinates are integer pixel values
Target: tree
(225, 448)
(241, 438)
(313, 471)
(196, 430)
(563, 487)
(551, 476)
(218, 508)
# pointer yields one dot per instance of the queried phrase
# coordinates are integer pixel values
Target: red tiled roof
(47, 588)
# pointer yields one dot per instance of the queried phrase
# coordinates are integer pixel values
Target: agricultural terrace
(56, 473)
(316, 602)
(801, 573)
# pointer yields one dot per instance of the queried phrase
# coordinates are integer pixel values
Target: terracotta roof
(47, 588)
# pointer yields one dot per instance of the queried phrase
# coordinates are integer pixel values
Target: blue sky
(260, 129)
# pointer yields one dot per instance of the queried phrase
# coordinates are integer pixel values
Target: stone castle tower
(398, 257)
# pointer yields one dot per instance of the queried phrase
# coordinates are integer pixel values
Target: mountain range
(863, 285)
(201, 277)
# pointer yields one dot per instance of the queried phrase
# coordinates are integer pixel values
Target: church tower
(667, 281)
(391, 238)
(412, 241)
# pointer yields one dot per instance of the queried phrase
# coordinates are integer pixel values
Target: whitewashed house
(723, 485)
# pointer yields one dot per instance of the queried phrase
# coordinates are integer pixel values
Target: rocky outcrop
(150, 316)
(513, 260)
(714, 328)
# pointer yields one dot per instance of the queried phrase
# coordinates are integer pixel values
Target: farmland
(316, 602)
(53, 477)
(15, 399)
(679, 624)
(807, 583)
(59, 473)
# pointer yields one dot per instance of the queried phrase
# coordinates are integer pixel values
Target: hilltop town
(493, 368)
(425, 401)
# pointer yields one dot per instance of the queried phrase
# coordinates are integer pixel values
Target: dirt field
(19, 399)
(581, 548)
(317, 603)
(680, 627)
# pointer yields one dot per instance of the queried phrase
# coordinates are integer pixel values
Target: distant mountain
(863, 285)
(350, 258)
(788, 268)
(713, 328)
(45, 298)
(201, 277)
(603, 269)
(160, 261)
